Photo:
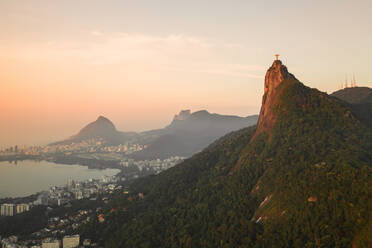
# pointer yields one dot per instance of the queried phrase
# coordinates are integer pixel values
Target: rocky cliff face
(183, 115)
(275, 75)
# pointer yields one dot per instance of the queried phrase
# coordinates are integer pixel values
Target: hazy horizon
(76, 125)
(64, 63)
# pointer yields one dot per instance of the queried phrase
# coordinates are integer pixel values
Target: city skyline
(62, 64)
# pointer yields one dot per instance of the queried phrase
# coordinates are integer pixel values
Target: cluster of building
(93, 146)
(156, 165)
(91, 189)
(57, 227)
(85, 146)
(68, 241)
(58, 196)
(60, 226)
(76, 191)
(25, 150)
(10, 209)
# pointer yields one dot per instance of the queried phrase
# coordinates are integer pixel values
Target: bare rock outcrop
(275, 75)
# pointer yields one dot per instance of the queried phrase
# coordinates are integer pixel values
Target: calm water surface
(28, 177)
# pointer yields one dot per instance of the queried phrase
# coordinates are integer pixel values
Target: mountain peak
(101, 122)
(275, 76)
(101, 127)
(201, 113)
(101, 118)
(183, 115)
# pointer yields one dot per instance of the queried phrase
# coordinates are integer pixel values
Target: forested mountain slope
(360, 99)
(301, 178)
(354, 95)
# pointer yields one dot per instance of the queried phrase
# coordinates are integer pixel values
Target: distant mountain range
(102, 128)
(187, 133)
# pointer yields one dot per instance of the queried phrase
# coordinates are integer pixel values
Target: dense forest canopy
(306, 182)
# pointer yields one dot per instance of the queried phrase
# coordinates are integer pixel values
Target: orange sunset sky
(63, 63)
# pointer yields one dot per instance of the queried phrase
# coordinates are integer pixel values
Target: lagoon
(28, 177)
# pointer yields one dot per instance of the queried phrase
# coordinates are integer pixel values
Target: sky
(64, 63)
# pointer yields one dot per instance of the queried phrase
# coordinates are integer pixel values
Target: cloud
(233, 70)
(174, 52)
(96, 33)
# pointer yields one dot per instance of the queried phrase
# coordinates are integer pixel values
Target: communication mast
(346, 85)
(354, 82)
